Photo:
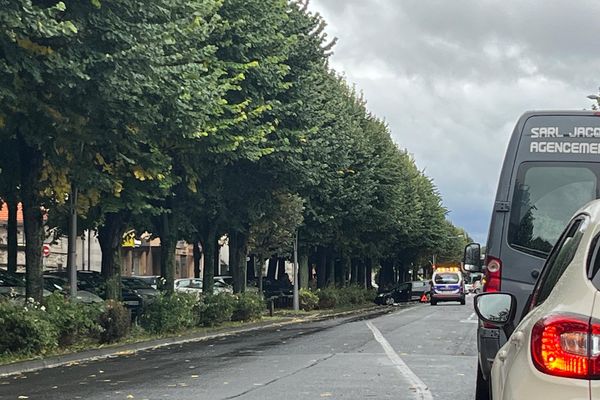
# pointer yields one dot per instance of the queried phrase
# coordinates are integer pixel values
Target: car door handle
(517, 338)
(502, 355)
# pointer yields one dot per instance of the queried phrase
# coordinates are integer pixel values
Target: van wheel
(389, 301)
(482, 387)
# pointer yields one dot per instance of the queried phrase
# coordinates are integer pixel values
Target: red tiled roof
(4, 213)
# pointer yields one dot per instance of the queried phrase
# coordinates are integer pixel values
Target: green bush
(170, 313)
(328, 298)
(350, 295)
(216, 309)
(248, 306)
(115, 322)
(308, 299)
(72, 320)
(25, 329)
(369, 295)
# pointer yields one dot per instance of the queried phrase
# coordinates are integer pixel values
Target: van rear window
(545, 198)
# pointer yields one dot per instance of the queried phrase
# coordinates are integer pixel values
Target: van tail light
(493, 274)
(567, 345)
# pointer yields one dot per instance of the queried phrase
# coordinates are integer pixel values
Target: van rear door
(556, 171)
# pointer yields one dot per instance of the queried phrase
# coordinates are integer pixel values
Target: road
(418, 352)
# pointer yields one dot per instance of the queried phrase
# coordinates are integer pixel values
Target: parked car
(403, 292)
(189, 285)
(194, 286)
(93, 281)
(151, 280)
(554, 351)
(13, 286)
(140, 287)
(55, 283)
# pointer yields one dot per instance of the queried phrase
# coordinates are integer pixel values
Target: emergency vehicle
(447, 284)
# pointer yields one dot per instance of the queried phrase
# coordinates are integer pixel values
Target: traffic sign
(46, 250)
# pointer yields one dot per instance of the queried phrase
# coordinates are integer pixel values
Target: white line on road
(421, 389)
(470, 320)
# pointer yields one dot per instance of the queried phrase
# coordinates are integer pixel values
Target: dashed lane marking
(470, 320)
(422, 392)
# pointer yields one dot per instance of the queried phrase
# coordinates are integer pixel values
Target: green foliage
(216, 309)
(308, 300)
(25, 329)
(248, 306)
(115, 322)
(170, 313)
(328, 298)
(73, 320)
(194, 119)
(352, 295)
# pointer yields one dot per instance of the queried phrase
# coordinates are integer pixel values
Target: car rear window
(546, 196)
(446, 278)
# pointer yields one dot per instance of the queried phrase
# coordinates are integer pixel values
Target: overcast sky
(451, 79)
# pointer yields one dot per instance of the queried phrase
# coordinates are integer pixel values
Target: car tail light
(567, 346)
(493, 274)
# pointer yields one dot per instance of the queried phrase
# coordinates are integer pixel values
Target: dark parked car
(403, 292)
(94, 282)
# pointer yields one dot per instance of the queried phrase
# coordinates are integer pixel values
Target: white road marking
(421, 390)
(470, 320)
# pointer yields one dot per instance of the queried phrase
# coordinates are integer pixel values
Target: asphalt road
(420, 352)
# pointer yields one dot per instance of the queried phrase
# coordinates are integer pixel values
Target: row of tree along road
(194, 119)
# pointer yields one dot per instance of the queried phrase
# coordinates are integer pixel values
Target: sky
(451, 78)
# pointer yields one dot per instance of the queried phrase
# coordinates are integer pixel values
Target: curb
(21, 367)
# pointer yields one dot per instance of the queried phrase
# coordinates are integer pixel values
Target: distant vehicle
(403, 292)
(55, 283)
(447, 285)
(13, 286)
(551, 169)
(188, 285)
(92, 281)
(194, 286)
(140, 287)
(226, 279)
(151, 280)
(473, 283)
(554, 352)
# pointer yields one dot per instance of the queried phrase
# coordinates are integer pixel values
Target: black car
(94, 282)
(403, 292)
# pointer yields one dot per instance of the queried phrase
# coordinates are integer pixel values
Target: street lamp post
(296, 295)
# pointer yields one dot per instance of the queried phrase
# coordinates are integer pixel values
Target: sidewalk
(21, 367)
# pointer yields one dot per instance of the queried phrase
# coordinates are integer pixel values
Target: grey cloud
(452, 77)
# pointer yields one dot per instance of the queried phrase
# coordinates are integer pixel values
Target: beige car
(554, 352)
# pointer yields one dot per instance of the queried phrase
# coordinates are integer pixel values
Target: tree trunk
(238, 244)
(109, 237)
(303, 273)
(272, 268)
(31, 168)
(321, 267)
(208, 244)
(251, 269)
(354, 274)
(259, 266)
(369, 272)
(197, 258)
(217, 256)
(168, 244)
(386, 275)
(12, 241)
(362, 274)
(330, 268)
